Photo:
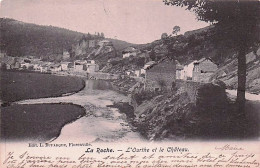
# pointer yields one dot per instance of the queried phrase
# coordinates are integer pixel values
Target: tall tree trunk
(241, 73)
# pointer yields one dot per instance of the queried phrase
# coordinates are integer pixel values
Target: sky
(135, 21)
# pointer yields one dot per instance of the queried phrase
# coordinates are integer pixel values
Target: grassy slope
(40, 122)
(22, 85)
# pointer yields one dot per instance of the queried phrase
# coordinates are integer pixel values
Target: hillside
(20, 39)
(194, 45)
(119, 44)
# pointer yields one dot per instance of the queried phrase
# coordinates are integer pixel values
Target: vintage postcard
(129, 83)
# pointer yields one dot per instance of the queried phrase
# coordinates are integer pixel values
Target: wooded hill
(22, 39)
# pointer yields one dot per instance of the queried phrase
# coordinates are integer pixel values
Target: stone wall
(201, 77)
(160, 76)
(155, 80)
(190, 87)
(100, 75)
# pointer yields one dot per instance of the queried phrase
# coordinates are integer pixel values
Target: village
(155, 74)
(161, 75)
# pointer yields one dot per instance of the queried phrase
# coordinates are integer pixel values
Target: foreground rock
(194, 111)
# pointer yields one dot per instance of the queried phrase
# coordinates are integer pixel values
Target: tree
(102, 35)
(235, 22)
(164, 36)
(176, 29)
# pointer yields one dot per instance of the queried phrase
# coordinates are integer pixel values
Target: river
(101, 123)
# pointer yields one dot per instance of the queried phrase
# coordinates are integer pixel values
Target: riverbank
(37, 122)
(102, 122)
(18, 85)
(194, 111)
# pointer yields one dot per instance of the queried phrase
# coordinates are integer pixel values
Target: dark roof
(206, 67)
(163, 66)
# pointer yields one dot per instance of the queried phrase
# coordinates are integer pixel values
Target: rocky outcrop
(182, 115)
(228, 72)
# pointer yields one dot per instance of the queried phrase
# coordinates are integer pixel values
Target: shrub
(144, 95)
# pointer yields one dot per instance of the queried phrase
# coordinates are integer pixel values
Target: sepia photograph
(129, 83)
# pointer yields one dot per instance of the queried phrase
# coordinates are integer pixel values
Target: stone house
(203, 69)
(80, 65)
(161, 75)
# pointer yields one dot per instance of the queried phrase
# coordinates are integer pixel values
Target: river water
(101, 123)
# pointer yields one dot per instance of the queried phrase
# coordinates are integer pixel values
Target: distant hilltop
(47, 42)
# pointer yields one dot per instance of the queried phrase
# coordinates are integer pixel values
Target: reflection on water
(101, 122)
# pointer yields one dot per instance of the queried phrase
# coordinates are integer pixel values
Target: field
(15, 85)
(40, 122)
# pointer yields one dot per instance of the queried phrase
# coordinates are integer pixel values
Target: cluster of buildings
(161, 74)
(35, 64)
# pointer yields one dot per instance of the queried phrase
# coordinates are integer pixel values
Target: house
(203, 69)
(80, 65)
(36, 67)
(65, 66)
(161, 75)
(179, 71)
(188, 69)
(90, 61)
(25, 65)
(44, 68)
(129, 51)
(92, 68)
(55, 68)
